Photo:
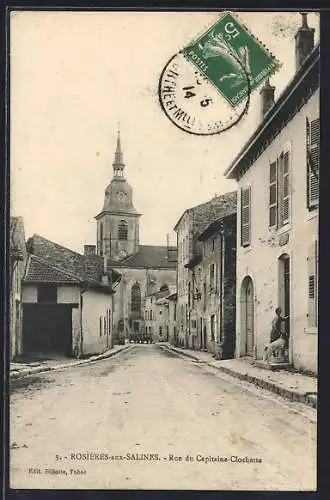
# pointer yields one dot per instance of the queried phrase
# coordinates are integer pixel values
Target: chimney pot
(267, 94)
(304, 41)
(89, 250)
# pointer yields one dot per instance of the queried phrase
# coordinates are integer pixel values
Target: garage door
(47, 328)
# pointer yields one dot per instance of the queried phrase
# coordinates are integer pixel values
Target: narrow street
(86, 424)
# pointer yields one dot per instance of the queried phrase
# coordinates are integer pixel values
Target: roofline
(191, 209)
(53, 242)
(216, 225)
(121, 266)
(194, 261)
(185, 212)
(46, 262)
(299, 76)
(116, 212)
(97, 285)
(89, 283)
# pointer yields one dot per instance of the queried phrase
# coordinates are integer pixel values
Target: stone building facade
(188, 228)
(158, 314)
(18, 258)
(144, 268)
(212, 299)
(277, 217)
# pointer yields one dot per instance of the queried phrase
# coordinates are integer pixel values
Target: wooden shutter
(283, 184)
(312, 150)
(246, 216)
(273, 194)
(312, 284)
(285, 216)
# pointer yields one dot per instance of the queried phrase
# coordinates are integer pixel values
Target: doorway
(247, 315)
(284, 292)
(47, 329)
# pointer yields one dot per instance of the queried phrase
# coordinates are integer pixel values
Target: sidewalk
(290, 385)
(18, 370)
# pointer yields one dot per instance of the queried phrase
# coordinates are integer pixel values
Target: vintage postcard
(164, 202)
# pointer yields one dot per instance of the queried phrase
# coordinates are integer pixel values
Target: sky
(75, 75)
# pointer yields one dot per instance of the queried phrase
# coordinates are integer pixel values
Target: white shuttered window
(312, 266)
(246, 216)
(273, 194)
(279, 189)
(312, 151)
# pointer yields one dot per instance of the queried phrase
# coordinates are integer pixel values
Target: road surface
(148, 419)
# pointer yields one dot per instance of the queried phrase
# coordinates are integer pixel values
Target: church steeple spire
(118, 164)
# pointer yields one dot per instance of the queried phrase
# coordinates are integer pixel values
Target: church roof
(150, 256)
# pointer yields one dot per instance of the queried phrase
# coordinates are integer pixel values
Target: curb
(307, 398)
(15, 374)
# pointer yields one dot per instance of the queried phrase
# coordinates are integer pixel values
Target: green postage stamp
(233, 60)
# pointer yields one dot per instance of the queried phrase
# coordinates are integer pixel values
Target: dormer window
(122, 230)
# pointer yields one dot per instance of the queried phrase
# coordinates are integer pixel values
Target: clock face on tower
(121, 196)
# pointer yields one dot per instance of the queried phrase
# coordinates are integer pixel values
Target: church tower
(118, 222)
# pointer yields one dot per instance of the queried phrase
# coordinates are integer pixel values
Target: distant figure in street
(277, 339)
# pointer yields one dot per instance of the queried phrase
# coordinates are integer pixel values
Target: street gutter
(306, 398)
(15, 374)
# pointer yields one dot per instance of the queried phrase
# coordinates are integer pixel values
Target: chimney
(304, 41)
(267, 98)
(89, 250)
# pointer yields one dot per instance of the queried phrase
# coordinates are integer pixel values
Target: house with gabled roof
(277, 172)
(67, 301)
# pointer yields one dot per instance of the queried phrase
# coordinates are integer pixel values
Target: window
(193, 324)
(284, 190)
(279, 190)
(212, 326)
(146, 314)
(212, 277)
(150, 314)
(160, 331)
(189, 292)
(109, 321)
(312, 152)
(47, 293)
(312, 264)
(273, 194)
(213, 244)
(122, 230)
(160, 312)
(174, 312)
(104, 325)
(136, 298)
(100, 326)
(246, 216)
(136, 326)
(204, 295)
